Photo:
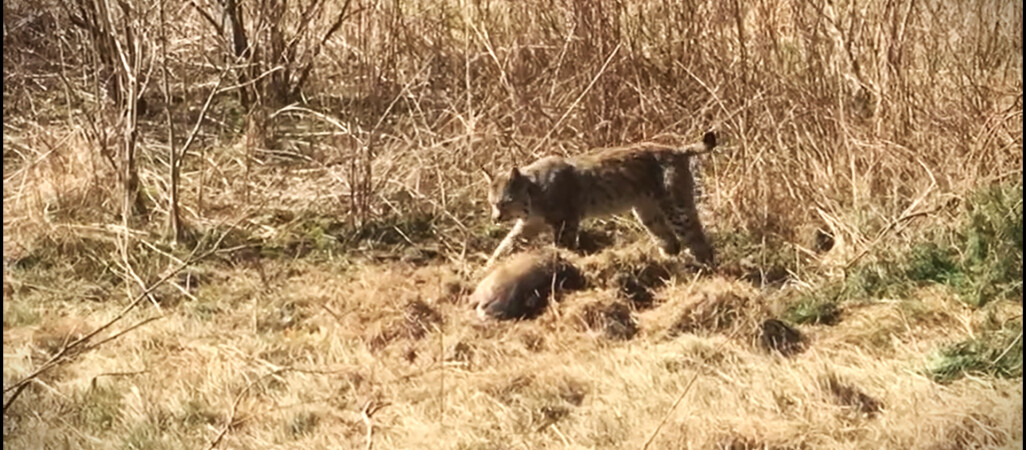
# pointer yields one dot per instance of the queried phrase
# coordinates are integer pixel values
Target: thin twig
(369, 409)
(213, 23)
(235, 406)
(66, 351)
(92, 383)
(14, 396)
(304, 73)
(580, 97)
(126, 330)
(332, 313)
(202, 115)
(1002, 355)
(904, 217)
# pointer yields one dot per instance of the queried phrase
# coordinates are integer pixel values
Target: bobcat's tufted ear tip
(514, 173)
(709, 139)
(487, 175)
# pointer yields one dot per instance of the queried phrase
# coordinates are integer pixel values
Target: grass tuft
(813, 310)
(995, 353)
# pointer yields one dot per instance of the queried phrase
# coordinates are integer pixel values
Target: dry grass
(334, 313)
(302, 354)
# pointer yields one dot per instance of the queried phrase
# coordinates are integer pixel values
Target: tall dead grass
(846, 113)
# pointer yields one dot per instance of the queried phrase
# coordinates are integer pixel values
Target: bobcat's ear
(514, 173)
(487, 175)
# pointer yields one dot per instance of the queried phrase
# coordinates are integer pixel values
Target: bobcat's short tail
(707, 145)
(695, 164)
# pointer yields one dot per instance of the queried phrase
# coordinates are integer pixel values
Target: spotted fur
(654, 181)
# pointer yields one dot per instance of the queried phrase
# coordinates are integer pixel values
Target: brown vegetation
(245, 224)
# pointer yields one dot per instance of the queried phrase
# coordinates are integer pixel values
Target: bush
(992, 252)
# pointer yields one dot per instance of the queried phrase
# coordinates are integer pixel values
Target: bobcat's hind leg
(655, 222)
(683, 213)
(687, 225)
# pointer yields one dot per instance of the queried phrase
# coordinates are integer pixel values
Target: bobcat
(655, 181)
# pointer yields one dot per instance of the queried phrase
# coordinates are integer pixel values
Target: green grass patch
(868, 281)
(204, 311)
(311, 235)
(877, 280)
(71, 255)
(302, 423)
(982, 260)
(930, 262)
(19, 313)
(195, 413)
(763, 259)
(996, 353)
(992, 255)
(99, 407)
(813, 310)
(392, 230)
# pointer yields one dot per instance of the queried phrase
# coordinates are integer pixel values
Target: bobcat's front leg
(567, 234)
(521, 229)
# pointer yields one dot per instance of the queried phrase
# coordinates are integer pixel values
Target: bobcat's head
(508, 195)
